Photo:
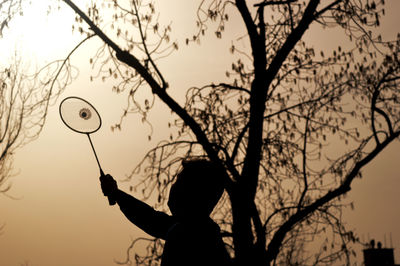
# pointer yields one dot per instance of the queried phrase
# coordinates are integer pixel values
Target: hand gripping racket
(80, 116)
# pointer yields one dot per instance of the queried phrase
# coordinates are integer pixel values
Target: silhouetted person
(191, 236)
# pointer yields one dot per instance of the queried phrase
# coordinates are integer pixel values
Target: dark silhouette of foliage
(294, 126)
(276, 125)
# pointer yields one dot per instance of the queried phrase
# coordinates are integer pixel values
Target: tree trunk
(241, 227)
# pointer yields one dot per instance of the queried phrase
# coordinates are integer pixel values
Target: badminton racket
(80, 116)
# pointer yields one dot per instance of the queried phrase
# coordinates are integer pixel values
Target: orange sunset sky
(60, 216)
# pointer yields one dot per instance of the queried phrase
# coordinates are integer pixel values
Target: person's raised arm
(153, 222)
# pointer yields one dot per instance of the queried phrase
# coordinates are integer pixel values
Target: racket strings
(79, 115)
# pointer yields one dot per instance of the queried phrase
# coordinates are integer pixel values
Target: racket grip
(111, 200)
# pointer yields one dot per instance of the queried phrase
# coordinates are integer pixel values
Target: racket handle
(111, 200)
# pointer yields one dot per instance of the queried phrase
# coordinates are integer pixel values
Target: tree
(274, 126)
(24, 102)
(8, 9)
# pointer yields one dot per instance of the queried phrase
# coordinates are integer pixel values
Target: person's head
(197, 189)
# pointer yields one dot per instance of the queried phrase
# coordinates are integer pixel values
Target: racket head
(79, 115)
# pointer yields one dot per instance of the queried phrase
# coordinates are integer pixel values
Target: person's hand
(108, 185)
